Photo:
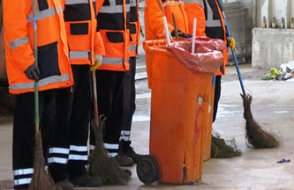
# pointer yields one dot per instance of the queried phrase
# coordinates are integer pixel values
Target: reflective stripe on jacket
(113, 22)
(52, 45)
(81, 26)
(195, 9)
(154, 28)
(215, 27)
(134, 28)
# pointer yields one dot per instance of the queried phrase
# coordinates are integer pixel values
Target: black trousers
(54, 118)
(217, 95)
(129, 105)
(116, 100)
(79, 120)
(110, 104)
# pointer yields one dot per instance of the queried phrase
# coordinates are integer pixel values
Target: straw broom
(100, 164)
(255, 135)
(41, 178)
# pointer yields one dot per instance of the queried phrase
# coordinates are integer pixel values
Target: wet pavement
(272, 108)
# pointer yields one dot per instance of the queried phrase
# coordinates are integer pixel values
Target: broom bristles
(220, 149)
(41, 178)
(255, 135)
(100, 164)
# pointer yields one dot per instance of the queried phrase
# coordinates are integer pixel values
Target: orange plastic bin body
(207, 124)
(178, 97)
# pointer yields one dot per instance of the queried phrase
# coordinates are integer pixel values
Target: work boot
(132, 154)
(126, 150)
(64, 185)
(86, 181)
(124, 160)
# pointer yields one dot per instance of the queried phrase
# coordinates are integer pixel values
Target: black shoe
(64, 185)
(132, 154)
(124, 160)
(86, 181)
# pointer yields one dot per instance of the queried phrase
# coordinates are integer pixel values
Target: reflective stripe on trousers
(78, 153)
(23, 176)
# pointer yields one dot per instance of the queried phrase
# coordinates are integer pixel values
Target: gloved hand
(231, 43)
(180, 34)
(98, 62)
(33, 72)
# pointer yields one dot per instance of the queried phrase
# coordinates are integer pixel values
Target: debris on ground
(284, 161)
(221, 149)
(285, 72)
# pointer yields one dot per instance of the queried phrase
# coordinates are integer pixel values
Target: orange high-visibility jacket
(216, 27)
(52, 44)
(113, 22)
(153, 14)
(195, 9)
(134, 28)
(81, 27)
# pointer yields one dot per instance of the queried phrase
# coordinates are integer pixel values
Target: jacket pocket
(43, 5)
(115, 37)
(48, 60)
(79, 29)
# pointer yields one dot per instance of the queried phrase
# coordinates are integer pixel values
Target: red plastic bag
(207, 57)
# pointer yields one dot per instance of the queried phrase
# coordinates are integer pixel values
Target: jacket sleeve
(195, 10)
(99, 4)
(99, 46)
(16, 32)
(155, 21)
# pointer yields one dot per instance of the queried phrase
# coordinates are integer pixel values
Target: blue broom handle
(234, 55)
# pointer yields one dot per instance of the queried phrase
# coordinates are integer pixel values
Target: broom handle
(36, 87)
(194, 36)
(175, 26)
(234, 55)
(165, 24)
(94, 86)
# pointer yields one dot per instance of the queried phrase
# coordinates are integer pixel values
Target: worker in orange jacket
(114, 24)
(154, 12)
(216, 28)
(54, 77)
(211, 23)
(127, 156)
(195, 9)
(86, 50)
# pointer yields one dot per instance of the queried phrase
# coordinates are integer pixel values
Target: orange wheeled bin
(178, 99)
(207, 124)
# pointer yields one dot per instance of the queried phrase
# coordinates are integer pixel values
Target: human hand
(98, 62)
(231, 43)
(180, 34)
(33, 72)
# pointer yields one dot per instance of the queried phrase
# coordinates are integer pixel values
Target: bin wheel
(148, 169)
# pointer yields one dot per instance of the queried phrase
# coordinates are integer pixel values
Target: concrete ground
(272, 107)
